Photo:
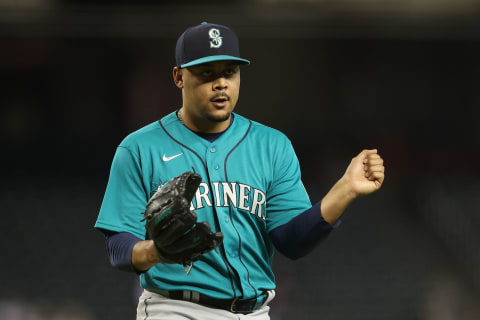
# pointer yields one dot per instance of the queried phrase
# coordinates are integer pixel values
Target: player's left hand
(366, 172)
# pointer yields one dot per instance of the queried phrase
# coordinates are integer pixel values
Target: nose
(220, 84)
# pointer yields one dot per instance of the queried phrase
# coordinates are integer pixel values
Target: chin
(219, 116)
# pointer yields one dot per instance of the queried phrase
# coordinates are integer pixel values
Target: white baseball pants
(153, 306)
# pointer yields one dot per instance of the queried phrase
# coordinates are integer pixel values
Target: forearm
(337, 200)
(144, 255)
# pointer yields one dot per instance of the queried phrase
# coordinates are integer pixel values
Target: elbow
(293, 254)
(298, 250)
(114, 263)
(122, 265)
(120, 254)
(292, 250)
(294, 257)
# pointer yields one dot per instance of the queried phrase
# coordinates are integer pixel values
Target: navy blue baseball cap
(207, 42)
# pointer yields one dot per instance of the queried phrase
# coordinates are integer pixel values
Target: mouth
(220, 101)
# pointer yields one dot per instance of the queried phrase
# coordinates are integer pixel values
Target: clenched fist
(363, 176)
(365, 172)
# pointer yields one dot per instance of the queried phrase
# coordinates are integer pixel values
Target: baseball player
(218, 193)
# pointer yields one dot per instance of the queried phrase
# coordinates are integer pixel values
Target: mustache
(220, 94)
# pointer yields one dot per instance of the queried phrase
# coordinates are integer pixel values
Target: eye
(207, 73)
(231, 71)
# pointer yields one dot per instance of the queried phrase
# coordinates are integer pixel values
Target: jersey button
(217, 167)
(212, 150)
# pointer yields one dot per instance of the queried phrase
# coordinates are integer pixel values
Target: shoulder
(141, 136)
(265, 133)
(147, 135)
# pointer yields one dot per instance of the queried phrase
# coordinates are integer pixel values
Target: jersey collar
(223, 144)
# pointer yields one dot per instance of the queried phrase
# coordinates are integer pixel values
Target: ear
(178, 77)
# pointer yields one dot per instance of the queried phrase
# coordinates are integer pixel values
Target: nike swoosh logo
(165, 158)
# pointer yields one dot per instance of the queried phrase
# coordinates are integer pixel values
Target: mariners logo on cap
(215, 39)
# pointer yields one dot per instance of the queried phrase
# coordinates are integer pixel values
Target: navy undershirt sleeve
(119, 248)
(300, 235)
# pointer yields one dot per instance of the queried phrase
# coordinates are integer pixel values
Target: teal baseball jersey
(251, 184)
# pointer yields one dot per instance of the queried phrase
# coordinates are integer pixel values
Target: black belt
(235, 305)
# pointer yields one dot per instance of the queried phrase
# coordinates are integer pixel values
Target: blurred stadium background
(336, 76)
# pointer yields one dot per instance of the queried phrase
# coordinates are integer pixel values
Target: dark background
(336, 77)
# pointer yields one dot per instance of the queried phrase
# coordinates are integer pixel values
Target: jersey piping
(230, 212)
(217, 223)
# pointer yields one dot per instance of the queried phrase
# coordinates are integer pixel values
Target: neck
(202, 125)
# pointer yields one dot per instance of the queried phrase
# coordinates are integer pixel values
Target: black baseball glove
(173, 226)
